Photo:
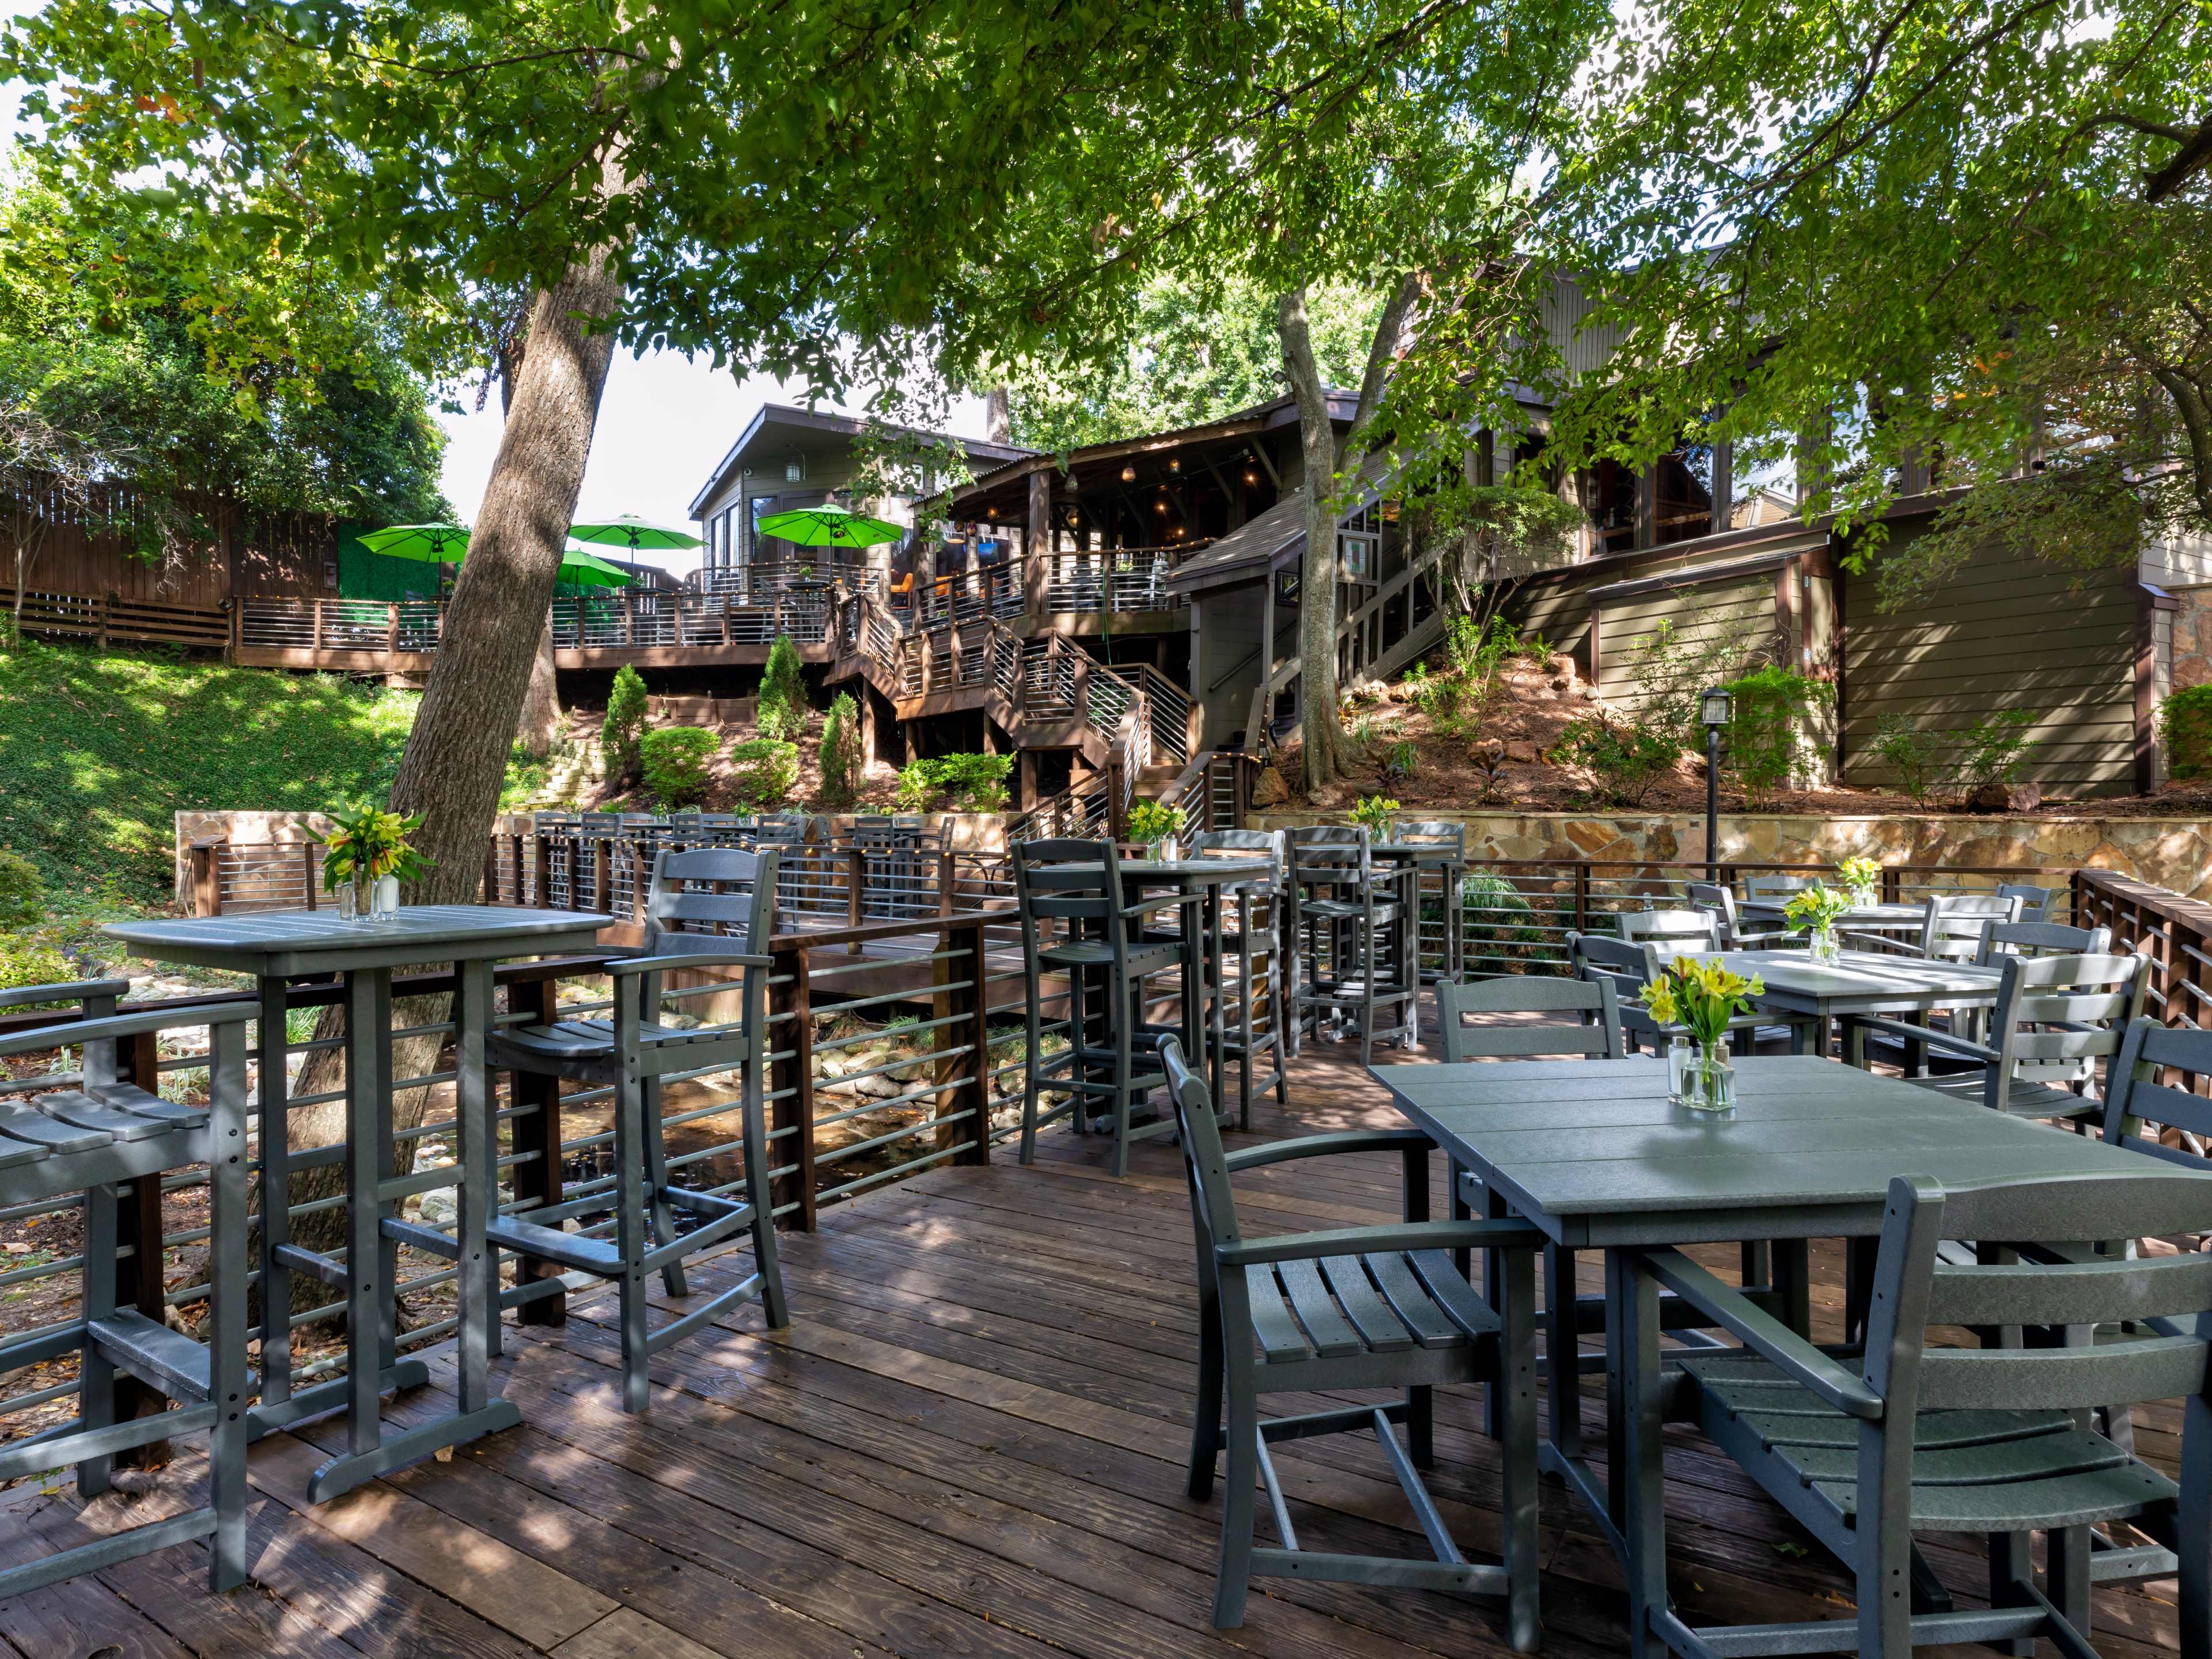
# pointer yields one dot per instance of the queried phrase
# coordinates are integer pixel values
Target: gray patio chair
(1443, 882)
(1716, 900)
(1258, 1023)
(2036, 903)
(1349, 920)
(1670, 933)
(90, 1133)
(2055, 1018)
(692, 894)
(1630, 967)
(1353, 1307)
(1596, 1032)
(1952, 931)
(2040, 938)
(1105, 960)
(1867, 1449)
(1774, 886)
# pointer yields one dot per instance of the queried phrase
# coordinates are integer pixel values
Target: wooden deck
(969, 1442)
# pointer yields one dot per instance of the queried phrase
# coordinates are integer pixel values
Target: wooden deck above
(970, 1442)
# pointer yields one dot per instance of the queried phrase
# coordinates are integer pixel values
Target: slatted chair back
(1951, 930)
(1213, 1204)
(1430, 832)
(1595, 957)
(1077, 883)
(1244, 846)
(600, 826)
(2142, 1109)
(704, 898)
(1914, 1290)
(2055, 1017)
(1670, 933)
(1332, 854)
(782, 829)
(1596, 1033)
(1714, 899)
(2040, 938)
(2036, 903)
(1774, 886)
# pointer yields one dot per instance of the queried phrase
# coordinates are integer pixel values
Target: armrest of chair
(76, 1032)
(1934, 1038)
(621, 967)
(1165, 902)
(1760, 1331)
(1351, 1140)
(1401, 1236)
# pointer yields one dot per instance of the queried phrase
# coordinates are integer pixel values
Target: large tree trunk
(1317, 715)
(541, 703)
(456, 755)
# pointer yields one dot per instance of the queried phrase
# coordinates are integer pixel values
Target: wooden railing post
(1582, 896)
(856, 881)
(392, 629)
(537, 1100)
(491, 893)
(307, 871)
(791, 1079)
(207, 876)
(963, 1080)
(1117, 816)
(948, 883)
(541, 872)
(603, 876)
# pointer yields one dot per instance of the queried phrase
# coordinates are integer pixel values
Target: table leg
(477, 1263)
(1619, 1326)
(1214, 968)
(275, 1198)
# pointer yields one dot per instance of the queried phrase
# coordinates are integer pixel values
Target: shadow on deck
(970, 1442)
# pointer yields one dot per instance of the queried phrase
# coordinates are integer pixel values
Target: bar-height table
(1202, 979)
(1862, 982)
(277, 946)
(1592, 1154)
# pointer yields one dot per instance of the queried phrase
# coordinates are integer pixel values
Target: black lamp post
(1714, 708)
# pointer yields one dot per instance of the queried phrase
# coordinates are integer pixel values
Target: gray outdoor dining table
(1861, 983)
(277, 946)
(1861, 918)
(1593, 1155)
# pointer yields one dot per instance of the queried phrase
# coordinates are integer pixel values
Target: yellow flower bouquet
(1861, 880)
(1702, 997)
(365, 845)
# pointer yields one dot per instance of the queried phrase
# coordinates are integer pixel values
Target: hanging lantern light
(1128, 475)
(1175, 463)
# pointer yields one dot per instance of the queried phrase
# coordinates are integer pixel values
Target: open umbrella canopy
(431, 543)
(628, 530)
(580, 565)
(828, 526)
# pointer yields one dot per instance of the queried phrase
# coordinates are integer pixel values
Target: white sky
(663, 422)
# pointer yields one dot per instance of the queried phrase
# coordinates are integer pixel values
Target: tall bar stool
(692, 893)
(1253, 933)
(91, 1133)
(1112, 1054)
(1354, 949)
(1442, 869)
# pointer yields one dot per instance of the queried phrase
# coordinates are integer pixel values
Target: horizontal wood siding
(2005, 634)
(1558, 609)
(232, 551)
(1698, 613)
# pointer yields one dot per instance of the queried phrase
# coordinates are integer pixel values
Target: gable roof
(1275, 536)
(775, 426)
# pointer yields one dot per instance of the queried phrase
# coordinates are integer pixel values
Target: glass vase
(1711, 1081)
(364, 887)
(1864, 898)
(349, 903)
(1680, 1057)
(384, 899)
(1821, 945)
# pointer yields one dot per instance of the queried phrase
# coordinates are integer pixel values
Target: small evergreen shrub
(1768, 734)
(1911, 753)
(1624, 757)
(623, 729)
(22, 890)
(764, 773)
(1996, 751)
(782, 693)
(26, 960)
(972, 783)
(2185, 723)
(675, 764)
(841, 752)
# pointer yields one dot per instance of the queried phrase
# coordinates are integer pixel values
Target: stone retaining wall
(2171, 852)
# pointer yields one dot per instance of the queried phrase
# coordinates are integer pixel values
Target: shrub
(22, 890)
(2185, 723)
(1994, 750)
(975, 783)
(675, 764)
(1625, 757)
(764, 773)
(841, 752)
(1911, 753)
(1767, 733)
(1401, 761)
(621, 732)
(782, 693)
(26, 960)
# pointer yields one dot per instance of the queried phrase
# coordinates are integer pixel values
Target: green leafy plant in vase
(1861, 880)
(366, 856)
(1702, 997)
(1153, 824)
(1813, 911)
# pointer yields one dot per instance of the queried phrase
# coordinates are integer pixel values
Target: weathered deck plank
(970, 1442)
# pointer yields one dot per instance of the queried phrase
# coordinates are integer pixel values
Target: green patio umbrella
(638, 535)
(430, 543)
(828, 526)
(582, 566)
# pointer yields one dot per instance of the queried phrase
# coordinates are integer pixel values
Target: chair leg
(95, 1385)
(1233, 1573)
(660, 1219)
(1031, 1087)
(1516, 1392)
(1205, 1421)
(226, 1335)
(1421, 1427)
(1128, 1002)
(767, 1258)
(630, 1238)
(2192, 1527)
